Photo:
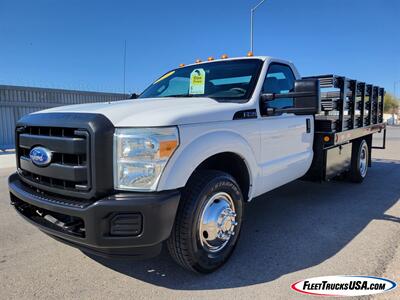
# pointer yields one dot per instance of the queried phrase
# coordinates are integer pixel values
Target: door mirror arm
(272, 96)
(267, 97)
(270, 111)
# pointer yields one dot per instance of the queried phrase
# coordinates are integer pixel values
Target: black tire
(185, 244)
(359, 161)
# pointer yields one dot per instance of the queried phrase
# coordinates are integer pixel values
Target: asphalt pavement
(298, 231)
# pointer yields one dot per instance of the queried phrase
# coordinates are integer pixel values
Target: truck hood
(157, 111)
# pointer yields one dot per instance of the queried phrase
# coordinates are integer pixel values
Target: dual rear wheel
(359, 161)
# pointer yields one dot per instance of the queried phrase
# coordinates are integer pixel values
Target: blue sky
(79, 44)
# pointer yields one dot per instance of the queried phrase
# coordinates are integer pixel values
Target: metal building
(16, 101)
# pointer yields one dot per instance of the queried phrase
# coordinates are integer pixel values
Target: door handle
(308, 125)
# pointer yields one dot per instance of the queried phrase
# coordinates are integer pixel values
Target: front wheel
(208, 222)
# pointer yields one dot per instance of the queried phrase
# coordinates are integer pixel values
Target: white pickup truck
(178, 163)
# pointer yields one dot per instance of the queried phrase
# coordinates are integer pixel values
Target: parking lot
(298, 231)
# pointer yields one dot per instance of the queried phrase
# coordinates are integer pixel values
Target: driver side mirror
(306, 98)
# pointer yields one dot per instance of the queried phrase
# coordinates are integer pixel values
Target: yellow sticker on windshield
(197, 82)
(163, 77)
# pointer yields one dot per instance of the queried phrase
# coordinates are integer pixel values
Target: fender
(190, 155)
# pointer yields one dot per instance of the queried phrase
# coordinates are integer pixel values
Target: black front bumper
(123, 224)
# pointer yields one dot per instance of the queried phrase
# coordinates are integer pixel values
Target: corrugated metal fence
(16, 101)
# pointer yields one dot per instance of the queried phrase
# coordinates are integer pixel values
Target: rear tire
(359, 161)
(208, 222)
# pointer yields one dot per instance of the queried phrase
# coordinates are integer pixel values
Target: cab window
(279, 80)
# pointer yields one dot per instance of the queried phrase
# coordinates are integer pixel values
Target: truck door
(286, 139)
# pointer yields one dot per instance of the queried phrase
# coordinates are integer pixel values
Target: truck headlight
(140, 155)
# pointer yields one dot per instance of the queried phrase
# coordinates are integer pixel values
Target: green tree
(391, 104)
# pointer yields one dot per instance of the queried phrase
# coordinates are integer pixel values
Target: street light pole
(124, 65)
(251, 23)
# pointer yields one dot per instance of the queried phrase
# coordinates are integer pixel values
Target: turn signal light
(167, 148)
(223, 56)
(326, 139)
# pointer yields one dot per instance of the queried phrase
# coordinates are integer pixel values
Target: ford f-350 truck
(177, 164)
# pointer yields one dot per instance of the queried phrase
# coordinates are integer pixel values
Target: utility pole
(251, 24)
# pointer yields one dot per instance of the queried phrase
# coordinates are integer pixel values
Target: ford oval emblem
(40, 156)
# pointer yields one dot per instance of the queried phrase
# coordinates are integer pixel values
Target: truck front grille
(69, 167)
(81, 144)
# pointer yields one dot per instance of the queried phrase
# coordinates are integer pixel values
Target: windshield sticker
(197, 82)
(163, 77)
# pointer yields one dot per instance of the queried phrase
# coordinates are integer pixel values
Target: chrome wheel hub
(217, 222)
(363, 161)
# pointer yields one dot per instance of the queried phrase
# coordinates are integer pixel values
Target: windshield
(220, 80)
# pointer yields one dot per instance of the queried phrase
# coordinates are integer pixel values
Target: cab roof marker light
(210, 58)
(181, 65)
(250, 53)
(198, 61)
(223, 56)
